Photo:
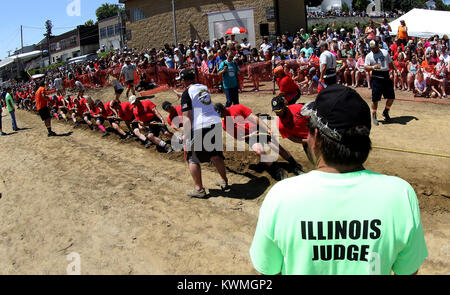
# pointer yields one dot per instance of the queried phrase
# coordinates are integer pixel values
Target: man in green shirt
(229, 71)
(339, 218)
(11, 108)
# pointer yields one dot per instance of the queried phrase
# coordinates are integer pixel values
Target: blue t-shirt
(170, 62)
(230, 79)
(211, 65)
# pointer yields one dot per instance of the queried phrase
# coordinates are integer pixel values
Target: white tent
(424, 23)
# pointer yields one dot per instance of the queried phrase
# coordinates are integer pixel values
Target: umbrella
(37, 76)
(235, 31)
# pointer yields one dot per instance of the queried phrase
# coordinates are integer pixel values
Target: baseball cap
(186, 74)
(278, 70)
(132, 99)
(166, 105)
(337, 109)
(277, 103)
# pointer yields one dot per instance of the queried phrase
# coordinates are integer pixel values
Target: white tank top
(204, 115)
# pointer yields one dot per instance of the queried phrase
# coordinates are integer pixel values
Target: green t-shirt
(353, 223)
(9, 102)
(230, 78)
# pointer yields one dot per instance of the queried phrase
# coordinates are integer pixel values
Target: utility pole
(174, 23)
(21, 38)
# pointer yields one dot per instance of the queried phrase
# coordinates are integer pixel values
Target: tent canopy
(24, 57)
(423, 23)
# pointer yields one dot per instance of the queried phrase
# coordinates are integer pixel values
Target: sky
(33, 14)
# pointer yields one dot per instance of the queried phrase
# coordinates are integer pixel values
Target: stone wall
(344, 20)
(192, 19)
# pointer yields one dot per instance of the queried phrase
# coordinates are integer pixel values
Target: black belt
(329, 73)
(380, 74)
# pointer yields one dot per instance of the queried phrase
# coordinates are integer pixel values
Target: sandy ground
(123, 208)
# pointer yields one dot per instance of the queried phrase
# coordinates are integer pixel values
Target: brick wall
(192, 19)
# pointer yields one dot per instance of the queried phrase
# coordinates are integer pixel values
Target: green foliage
(345, 7)
(89, 23)
(43, 70)
(313, 3)
(360, 5)
(104, 54)
(48, 28)
(107, 10)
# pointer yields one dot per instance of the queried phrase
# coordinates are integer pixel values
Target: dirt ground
(124, 210)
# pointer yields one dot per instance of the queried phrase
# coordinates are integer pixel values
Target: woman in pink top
(361, 71)
(371, 32)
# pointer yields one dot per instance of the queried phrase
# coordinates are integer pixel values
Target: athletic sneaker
(91, 127)
(148, 143)
(277, 173)
(374, 119)
(298, 169)
(2, 134)
(106, 134)
(386, 115)
(201, 194)
(222, 184)
(168, 148)
(76, 125)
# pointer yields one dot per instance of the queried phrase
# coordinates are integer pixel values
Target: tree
(440, 5)
(107, 10)
(360, 5)
(48, 35)
(89, 23)
(345, 7)
(313, 3)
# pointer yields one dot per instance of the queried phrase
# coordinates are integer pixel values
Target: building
(80, 41)
(154, 23)
(110, 33)
(328, 5)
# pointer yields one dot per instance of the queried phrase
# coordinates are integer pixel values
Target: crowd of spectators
(352, 13)
(422, 63)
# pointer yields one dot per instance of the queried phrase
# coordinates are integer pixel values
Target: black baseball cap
(166, 105)
(186, 74)
(336, 109)
(278, 103)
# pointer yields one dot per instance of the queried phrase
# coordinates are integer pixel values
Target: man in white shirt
(327, 65)
(127, 72)
(246, 46)
(266, 45)
(202, 127)
(378, 61)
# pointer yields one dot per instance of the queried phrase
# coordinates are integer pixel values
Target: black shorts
(134, 125)
(156, 129)
(111, 121)
(382, 87)
(45, 113)
(130, 84)
(200, 151)
(119, 91)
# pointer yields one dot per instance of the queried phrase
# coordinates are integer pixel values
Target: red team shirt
(126, 111)
(145, 112)
(108, 110)
(242, 126)
(179, 114)
(95, 111)
(288, 87)
(293, 123)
